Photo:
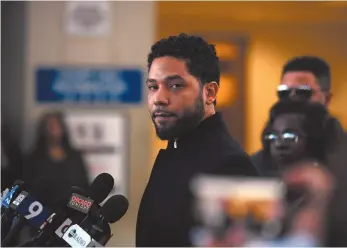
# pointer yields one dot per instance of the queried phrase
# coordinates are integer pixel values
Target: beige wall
(270, 45)
(132, 33)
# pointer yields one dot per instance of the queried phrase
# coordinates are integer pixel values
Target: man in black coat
(183, 82)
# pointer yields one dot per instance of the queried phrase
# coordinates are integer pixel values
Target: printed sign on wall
(103, 140)
(88, 85)
(91, 18)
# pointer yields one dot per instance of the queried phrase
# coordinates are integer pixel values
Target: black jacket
(165, 213)
(51, 179)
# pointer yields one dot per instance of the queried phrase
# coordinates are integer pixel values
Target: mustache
(162, 112)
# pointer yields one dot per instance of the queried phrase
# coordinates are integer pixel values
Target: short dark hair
(317, 66)
(200, 57)
(317, 124)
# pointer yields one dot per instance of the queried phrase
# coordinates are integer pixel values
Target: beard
(183, 123)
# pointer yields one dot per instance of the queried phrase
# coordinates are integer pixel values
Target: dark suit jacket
(165, 214)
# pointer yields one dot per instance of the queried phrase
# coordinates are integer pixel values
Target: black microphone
(95, 229)
(101, 187)
(27, 209)
(75, 209)
(71, 208)
(9, 195)
(114, 208)
(112, 211)
(7, 214)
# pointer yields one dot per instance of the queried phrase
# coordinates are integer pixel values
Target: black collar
(208, 126)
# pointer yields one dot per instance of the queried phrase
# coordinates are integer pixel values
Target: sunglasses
(302, 91)
(287, 137)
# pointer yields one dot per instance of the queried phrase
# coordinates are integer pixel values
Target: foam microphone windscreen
(114, 208)
(101, 187)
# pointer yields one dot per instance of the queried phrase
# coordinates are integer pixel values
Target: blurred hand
(319, 183)
(317, 180)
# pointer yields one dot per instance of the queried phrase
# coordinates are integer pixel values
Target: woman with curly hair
(299, 131)
(296, 131)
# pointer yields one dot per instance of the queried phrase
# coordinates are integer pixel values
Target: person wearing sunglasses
(306, 78)
(299, 131)
(296, 131)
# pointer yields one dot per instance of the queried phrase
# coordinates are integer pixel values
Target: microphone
(31, 209)
(26, 209)
(80, 202)
(6, 198)
(7, 214)
(94, 230)
(4, 193)
(98, 191)
(101, 187)
(75, 236)
(75, 209)
(98, 224)
(114, 208)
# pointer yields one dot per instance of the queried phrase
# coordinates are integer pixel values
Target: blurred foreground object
(319, 184)
(234, 210)
(251, 212)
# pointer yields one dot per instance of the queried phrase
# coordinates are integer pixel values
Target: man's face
(294, 79)
(175, 98)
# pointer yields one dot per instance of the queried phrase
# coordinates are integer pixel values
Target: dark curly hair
(318, 125)
(200, 57)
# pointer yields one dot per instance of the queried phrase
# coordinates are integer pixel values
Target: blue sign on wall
(73, 85)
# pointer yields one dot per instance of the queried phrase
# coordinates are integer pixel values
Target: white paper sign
(87, 18)
(103, 140)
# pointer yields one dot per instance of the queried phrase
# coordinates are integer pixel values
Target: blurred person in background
(308, 78)
(11, 158)
(183, 82)
(304, 131)
(54, 159)
(296, 131)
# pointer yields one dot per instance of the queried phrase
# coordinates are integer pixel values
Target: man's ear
(210, 91)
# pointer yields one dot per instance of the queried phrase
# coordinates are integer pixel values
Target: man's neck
(207, 115)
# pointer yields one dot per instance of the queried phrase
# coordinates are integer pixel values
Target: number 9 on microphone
(32, 210)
